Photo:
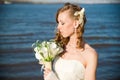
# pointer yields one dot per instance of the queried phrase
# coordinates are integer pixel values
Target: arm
(92, 58)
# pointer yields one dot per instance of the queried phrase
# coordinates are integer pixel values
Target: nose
(58, 27)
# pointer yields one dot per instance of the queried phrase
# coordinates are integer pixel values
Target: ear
(76, 24)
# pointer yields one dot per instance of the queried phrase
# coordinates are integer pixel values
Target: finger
(46, 72)
(44, 77)
(46, 69)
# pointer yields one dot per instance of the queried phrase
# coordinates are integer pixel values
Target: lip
(61, 32)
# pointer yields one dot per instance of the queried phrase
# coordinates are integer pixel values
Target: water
(23, 24)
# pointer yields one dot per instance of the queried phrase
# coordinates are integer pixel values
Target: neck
(73, 40)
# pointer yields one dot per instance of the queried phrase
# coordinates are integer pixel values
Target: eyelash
(62, 23)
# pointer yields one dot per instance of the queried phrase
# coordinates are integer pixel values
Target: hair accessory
(81, 13)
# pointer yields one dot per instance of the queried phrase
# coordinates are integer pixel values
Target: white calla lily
(47, 50)
(36, 49)
(38, 56)
(44, 51)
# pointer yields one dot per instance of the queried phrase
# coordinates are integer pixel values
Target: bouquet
(46, 51)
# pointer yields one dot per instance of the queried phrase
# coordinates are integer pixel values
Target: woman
(79, 59)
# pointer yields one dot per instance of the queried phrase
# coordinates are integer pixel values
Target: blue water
(23, 24)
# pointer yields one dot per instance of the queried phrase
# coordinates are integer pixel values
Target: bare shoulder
(90, 53)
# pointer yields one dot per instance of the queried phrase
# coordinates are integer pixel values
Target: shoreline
(57, 2)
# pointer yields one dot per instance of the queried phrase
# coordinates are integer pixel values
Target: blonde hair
(72, 8)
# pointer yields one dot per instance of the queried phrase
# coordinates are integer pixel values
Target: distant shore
(59, 1)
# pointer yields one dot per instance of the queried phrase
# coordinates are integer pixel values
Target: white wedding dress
(66, 70)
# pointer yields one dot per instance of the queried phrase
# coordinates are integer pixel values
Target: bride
(79, 59)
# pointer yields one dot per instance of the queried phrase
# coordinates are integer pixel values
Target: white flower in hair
(81, 13)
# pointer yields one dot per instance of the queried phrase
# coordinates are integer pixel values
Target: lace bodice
(68, 69)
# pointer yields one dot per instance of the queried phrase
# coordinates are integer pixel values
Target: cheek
(69, 29)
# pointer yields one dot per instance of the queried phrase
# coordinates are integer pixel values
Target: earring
(75, 30)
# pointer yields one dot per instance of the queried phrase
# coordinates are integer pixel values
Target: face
(65, 24)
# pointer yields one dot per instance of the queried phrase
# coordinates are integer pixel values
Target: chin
(65, 36)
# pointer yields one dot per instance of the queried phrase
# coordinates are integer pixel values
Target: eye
(62, 23)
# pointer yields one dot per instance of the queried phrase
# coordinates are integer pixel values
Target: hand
(46, 72)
